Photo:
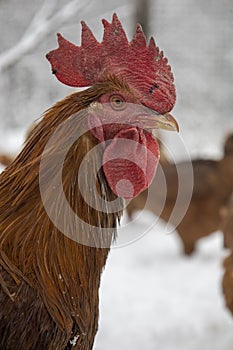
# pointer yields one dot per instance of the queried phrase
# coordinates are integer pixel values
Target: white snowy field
(153, 297)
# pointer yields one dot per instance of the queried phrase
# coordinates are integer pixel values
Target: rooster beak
(150, 119)
(166, 121)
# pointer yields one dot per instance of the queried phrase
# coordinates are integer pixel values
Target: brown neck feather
(65, 273)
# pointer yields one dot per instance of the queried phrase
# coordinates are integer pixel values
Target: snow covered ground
(153, 297)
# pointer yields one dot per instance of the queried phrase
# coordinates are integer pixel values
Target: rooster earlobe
(96, 128)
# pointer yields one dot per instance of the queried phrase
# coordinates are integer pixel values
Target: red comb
(142, 66)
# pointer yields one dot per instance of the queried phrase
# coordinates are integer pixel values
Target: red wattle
(130, 162)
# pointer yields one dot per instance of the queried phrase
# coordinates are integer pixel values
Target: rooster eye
(117, 103)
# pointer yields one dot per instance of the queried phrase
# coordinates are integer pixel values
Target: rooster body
(41, 272)
(50, 279)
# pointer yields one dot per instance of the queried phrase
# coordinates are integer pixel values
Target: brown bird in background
(5, 159)
(57, 198)
(227, 228)
(203, 214)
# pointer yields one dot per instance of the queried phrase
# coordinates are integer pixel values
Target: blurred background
(151, 296)
(196, 37)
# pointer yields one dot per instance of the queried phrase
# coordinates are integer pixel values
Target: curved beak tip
(171, 122)
(167, 122)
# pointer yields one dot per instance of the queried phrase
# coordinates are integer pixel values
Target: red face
(131, 152)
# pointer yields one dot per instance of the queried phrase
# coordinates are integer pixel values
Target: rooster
(61, 199)
(203, 214)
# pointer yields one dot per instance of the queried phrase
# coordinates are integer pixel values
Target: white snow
(1, 168)
(153, 297)
(11, 141)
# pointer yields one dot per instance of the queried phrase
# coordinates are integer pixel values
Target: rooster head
(138, 93)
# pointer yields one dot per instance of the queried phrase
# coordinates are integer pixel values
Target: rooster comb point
(142, 66)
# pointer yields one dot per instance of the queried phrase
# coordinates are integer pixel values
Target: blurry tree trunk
(143, 14)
